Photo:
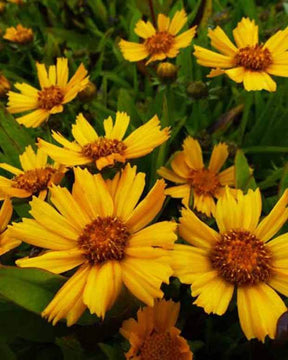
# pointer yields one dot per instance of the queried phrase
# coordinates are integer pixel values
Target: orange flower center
(158, 346)
(34, 180)
(161, 42)
(103, 147)
(105, 238)
(204, 182)
(241, 258)
(50, 96)
(253, 58)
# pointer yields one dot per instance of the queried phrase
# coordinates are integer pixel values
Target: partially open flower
(154, 335)
(159, 43)
(167, 71)
(248, 62)
(205, 182)
(4, 85)
(35, 178)
(55, 92)
(19, 34)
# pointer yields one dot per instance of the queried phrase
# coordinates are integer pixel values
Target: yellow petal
(227, 176)
(132, 51)
(184, 40)
(7, 242)
(177, 22)
(212, 59)
(163, 22)
(273, 222)
(62, 72)
(34, 119)
(68, 302)
(28, 159)
(259, 308)
(279, 248)
(13, 170)
(103, 287)
(42, 75)
(196, 232)
(279, 279)
(170, 175)
(121, 124)
(246, 33)
(83, 132)
(165, 314)
(204, 203)
(218, 157)
(5, 214)
(193, 153)
(258, 80)
(236, 74)
(221, 42)
(144, 29)
(148, 208)
(277, 43)
(213, 293)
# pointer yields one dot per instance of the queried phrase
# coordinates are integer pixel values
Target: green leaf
(5, 352)
(284, 180)
(244, 177)
(13, 138)
(71, 348)
(112, 352)
(31, 289)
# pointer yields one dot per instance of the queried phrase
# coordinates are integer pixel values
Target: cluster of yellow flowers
(103, 226)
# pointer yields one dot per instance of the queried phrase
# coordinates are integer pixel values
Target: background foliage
(253, 124)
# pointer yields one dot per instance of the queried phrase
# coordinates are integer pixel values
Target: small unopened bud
(4, 85)
(167, 71)
(197, 89)
(89, 93)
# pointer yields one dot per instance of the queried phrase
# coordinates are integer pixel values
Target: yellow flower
(158, 43)
(6, 241)
(34, 178)
(19, 34)
(154, 335)
(100, 228)
(55, 91)
(240, 256)
(105, 150)
(189, 171)
(248, 62)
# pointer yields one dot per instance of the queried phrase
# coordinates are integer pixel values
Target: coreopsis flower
(19, 34)
(108, 149)
(6, 241)
(249, 61)
(55, 92)
(205, 182)
(154, 335)
(240, 256)
(34, 178)
(160, 43)
(102, 229)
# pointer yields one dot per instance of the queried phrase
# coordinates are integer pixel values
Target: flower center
(241, 258)
(103, 147)
(50, 96)
(204, 182)
(105, 238)
(34, 180)
(253, 58)
(159, 43)
(158, 346)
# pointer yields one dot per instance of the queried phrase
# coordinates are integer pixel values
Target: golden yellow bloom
(158, 43)
(4, 85)
(154, 335)
(105, 150)
(55, 91)
(100, 228)
(239, 256)
(248, 62)
(6, 241)
(19, 34)
(34, 178)
(189, 171)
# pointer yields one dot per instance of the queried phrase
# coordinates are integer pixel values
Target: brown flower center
(253, 58)
(34, 180)
(103, 147)
(158, 346)
(105, 238)
(50, 96)
(204, 182)
(23, 35)
(241, 258)
(161, 42)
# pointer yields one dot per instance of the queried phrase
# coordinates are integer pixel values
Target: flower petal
(246, 33)
(221, 42)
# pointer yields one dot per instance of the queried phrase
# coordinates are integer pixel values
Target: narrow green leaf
(244, 177)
